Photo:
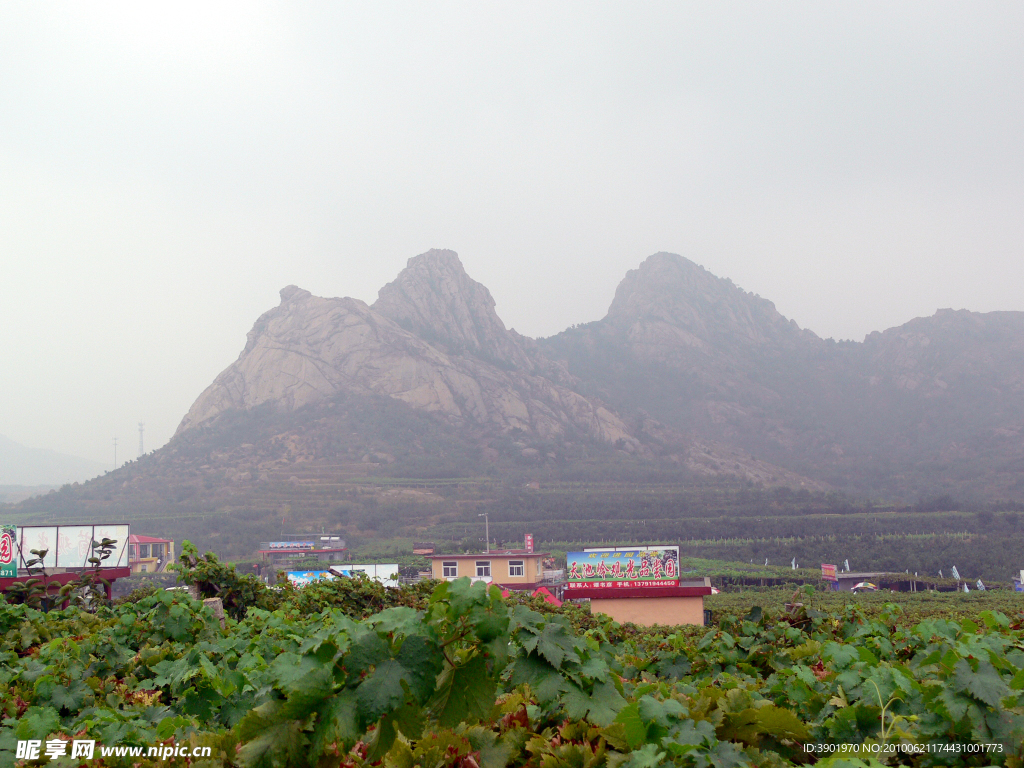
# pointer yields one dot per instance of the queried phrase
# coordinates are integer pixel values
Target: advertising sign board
(382, 572)
(828, 572)
(302, 578)
(640, 567)
(8, 550)
(70, 546)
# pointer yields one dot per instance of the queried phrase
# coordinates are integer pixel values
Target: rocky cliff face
(436, 300)
(670, 306)
(432, 341)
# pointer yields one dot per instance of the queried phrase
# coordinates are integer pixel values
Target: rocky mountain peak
(670, 290)
(293, 293)
(435, 299)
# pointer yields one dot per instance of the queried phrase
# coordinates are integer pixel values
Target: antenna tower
(115, 453)
(142, 428)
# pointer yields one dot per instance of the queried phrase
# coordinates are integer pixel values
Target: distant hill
(12, 494)
(20, 465)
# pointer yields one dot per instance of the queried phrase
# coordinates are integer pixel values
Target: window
(450, 569)
(515, 567)
(158, 550)
(143, 550)
(483, 568)
(142, 569)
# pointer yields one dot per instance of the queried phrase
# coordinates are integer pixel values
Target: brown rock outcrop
(310, 348)
(435, 299)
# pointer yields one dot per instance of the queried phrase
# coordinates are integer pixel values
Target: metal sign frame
(77, 545)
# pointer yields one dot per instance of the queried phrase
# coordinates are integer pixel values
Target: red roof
(548, 597)
(147, 540)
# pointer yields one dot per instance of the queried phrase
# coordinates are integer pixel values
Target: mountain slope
(932, 406)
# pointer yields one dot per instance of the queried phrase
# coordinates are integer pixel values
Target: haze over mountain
(20, 465)
(682, 359)
(687, 379)
(932, 405)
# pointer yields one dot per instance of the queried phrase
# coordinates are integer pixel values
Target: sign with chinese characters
(641, 567)
(8, 550)
(529, 542)
(291, 545)
(828, 572)
(301, 578)
(70, 546)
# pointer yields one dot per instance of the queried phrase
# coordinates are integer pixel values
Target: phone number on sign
(906, 749)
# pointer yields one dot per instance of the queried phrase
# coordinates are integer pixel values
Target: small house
(517, 569)
(148, 554)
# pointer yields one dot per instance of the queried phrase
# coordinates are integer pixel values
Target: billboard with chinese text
(70, 546)
(640, 567)
(302, 578)
(8, 548)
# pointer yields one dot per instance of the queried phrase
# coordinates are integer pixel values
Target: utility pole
(487, 531)
(115, 453)
(142, 428)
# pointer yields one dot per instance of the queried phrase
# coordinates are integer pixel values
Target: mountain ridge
(335, 407)
(682, 358)
(24, 466)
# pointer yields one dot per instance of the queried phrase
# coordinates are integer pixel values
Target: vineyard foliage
(452, 674)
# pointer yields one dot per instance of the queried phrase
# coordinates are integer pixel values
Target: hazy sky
(166, 168)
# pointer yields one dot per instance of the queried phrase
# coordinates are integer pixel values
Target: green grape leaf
(37, 723)
(382, 691)
(781, 723)
(634, 727)
(422, 661)
(337, 723)
(600, 707)
(408, 719)
(398, 621)
(280, 745)
(71, 697)
(985, 684)
(368, 651)
(464, 693)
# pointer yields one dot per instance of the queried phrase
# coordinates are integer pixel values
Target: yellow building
(508, 568)
(669, 606)
(147, 554)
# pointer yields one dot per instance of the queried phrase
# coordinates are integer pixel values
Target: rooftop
(492, 553)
